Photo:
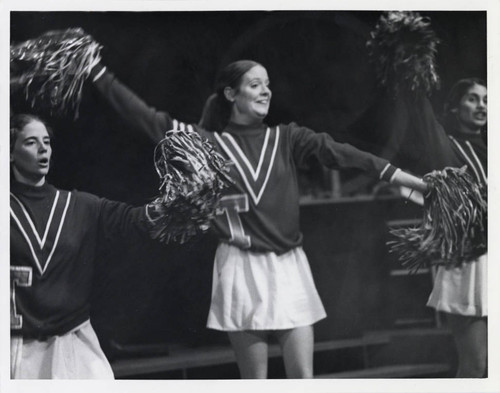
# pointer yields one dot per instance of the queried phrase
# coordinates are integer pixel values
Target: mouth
(480, 116)
(43, 162)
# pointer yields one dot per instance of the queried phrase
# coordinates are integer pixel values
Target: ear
(229, 93)
(454, 110)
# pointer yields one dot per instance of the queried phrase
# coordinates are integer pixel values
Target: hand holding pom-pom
(53, 67)
(193, 175)
(454, 226)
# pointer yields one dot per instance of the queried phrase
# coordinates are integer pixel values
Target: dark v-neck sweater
(54, 237)
(260, 211)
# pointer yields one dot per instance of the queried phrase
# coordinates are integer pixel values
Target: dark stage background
(320, 77)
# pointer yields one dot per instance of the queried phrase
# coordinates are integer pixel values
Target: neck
(462, 128)
(468, 131)
(245, 120)
(35, 182)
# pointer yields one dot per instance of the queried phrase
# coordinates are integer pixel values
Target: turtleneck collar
(31, 191)
(245, 129)
(468, 135)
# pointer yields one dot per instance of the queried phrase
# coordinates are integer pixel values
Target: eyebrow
(258, 79)
(476, 95)
(34, 137)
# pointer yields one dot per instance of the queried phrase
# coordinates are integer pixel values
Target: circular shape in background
(317, 63)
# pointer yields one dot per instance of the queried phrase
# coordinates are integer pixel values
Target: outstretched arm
(333, 154)
(131, 108)
(423, 144)
(405, 179)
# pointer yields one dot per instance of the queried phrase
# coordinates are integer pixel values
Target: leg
(16, 350)
(298, 346)
(470, 334)
(250, 348)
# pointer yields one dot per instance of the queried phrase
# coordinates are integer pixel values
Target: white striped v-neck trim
(256, 174)
(475, 168)
(41, 244)
(479, 165)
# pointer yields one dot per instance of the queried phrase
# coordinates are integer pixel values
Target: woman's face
(30, 155)
(471, 111)
(252, 98)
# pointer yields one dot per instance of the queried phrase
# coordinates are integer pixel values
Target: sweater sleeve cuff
(388, 173)
(149, 212)
(97, 71)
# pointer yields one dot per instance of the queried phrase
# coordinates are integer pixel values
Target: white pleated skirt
(462, 290)
(74, 355)
(262, 291)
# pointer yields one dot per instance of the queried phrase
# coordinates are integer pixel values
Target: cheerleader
(461, 292)
(262, 283)
(54, 238)
(403, 48)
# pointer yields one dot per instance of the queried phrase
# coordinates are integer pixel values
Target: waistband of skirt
(46, 336)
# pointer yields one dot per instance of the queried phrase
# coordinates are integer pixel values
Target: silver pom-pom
(52, 68)
(193, 175)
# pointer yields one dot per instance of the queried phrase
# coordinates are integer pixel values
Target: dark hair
(458, 90)
(217, 108)
(21, 120)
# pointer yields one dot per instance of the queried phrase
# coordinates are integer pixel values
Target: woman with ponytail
(262, 282)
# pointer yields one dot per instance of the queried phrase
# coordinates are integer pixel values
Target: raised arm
(422, 142)
(131, 108)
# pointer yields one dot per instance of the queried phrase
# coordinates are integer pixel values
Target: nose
(266, 91)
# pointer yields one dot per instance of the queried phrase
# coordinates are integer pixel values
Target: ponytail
(216, 112)
(217, 109)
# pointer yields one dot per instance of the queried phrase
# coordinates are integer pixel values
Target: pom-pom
(53, 67)
(402, 48)
(454, 227)
(193, 175)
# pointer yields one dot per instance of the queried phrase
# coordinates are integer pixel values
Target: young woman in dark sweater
(262, 283)
(54, 236)
(461, 292)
